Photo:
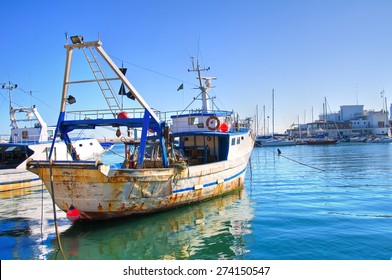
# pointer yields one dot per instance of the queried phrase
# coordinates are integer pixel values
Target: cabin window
(233, 141)
(50, 134)
(25, 134)
(238, 140)
(193, 120)
(176, 142)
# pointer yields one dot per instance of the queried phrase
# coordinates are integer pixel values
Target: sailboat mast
(325, 113)
(273, 113)
(263, 120)
(386, 117)
(257, 119)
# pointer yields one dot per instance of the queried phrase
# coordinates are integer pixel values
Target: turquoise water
(309, 203)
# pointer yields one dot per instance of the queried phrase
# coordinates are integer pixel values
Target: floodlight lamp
(77, 39)
(71, 100)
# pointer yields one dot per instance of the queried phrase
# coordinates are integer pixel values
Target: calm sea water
(309, 203)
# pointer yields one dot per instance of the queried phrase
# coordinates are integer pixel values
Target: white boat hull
(19, 181)
(275, 143)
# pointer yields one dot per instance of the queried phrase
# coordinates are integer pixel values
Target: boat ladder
(103, 82)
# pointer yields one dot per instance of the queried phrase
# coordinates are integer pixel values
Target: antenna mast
(207, 84)
(10, 87)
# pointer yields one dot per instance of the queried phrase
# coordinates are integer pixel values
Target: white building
(351, 112)
(351, 120)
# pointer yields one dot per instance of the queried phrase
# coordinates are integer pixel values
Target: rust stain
(199, 178)
(198, 192)
(122, 207)
(99, 207)
(172, 199)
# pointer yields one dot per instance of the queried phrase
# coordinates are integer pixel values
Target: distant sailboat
(273, 141)
(321, 137)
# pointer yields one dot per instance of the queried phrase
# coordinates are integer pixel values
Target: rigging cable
(152, 71)
(155, 72)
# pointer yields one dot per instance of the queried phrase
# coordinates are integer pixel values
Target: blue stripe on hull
(211, 184)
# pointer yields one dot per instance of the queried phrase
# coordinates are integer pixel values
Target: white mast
(264, 120)
(273, 112)
(204, 88)
(257, 119)
(10, 88)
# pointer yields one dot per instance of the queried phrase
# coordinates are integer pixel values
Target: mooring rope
(279, 153)
(54, 209)
(42, 208)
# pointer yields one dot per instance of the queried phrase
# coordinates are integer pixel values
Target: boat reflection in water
(26, 225)
(214, 229)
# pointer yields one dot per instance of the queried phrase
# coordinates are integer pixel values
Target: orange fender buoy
(73, 214)
(122, 115)
(224, 127)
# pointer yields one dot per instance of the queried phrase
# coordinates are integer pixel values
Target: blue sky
(304, 50)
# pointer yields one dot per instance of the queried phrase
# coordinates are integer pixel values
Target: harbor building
(349, 121)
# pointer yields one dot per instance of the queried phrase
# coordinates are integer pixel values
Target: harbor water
(331, 202)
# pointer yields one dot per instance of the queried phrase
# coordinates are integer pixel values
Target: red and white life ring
(213, 123)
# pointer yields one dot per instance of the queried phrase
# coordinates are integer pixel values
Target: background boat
(31, 138)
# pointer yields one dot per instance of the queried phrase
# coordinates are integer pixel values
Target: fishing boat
(171, 159)
(31, 138)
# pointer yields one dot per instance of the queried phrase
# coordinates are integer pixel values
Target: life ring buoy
(213, 123)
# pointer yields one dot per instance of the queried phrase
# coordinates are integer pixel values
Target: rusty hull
(101, 193)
